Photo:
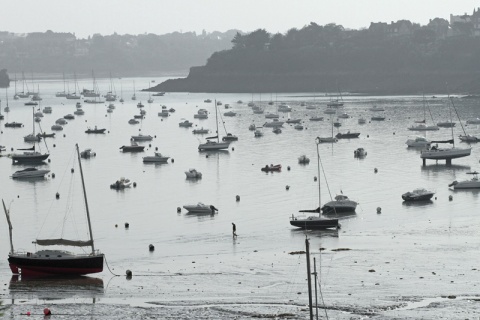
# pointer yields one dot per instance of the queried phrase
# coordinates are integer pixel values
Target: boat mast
(33, 120)
(7, 213)
(216, 120)
(317, 141)
(309, 278)
(85, 198)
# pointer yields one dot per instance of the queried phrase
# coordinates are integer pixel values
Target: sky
(87, 17)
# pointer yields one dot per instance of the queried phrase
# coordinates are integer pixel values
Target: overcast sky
(86, 17)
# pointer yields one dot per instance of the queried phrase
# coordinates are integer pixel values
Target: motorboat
(474, 121)
(109, 110)
(121, 183)
(435, 153)
(446, 124)
(271, 116)
(78, 105)
(271, 168)
(140, 105)
(258, 133)
(61, 121)
(31, 103)
(423, 127)
(47, 110)
(219, 103)
(344, 116)
(200, 208)
(311, 107)
(87, 153)
(419, 194)
(376, 108)
(360, 153)
(79, 112)
(284, 108)
(200, 131)
(298, 126)
(201, 114)
(132, 121)
(207, 100)
(230, 137)
(69, 116)
(362, 121)
(134, 147)
(316, 118)
(341, 204)
(293, 121)
(213, 145)
(303, 159)
(185, 124)
(230, 114)
(38, 114)
(158, 94)
(95, 130)
(251, 104)
(164, 113)
(30, 173)
(32, 138)
(327, 139)
(138, 116)
(111, 106)
(273, 124)
(193, 174)
(378, 118)
(141, 137)
(13, 125)
(277, 130)
(156, 158)
(57, 127)
(258, 110)
(418, 142)
(46, 135)
(468, 138)
(348, 135)
(473, 183)
(337, 124)
(330, 111)
(252, 127)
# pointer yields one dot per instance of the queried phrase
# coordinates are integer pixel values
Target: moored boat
(419, 194)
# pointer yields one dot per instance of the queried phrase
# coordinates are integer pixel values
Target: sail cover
(443, 141)
(32, 148)
(64, 242)
(215, 137)
(314, 210)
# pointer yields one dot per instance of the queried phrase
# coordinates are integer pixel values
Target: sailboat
(15, 96)
(111, 94)
(32, 137)
(93, 94)
(74, 96)
(331, 139)
(421, 125)
(57, 262)
(7, 108)
(30, 155)
(465, 137)
(121, 93)
(315, 222)
(1, 115)
(435, 153)
(62, 94)
(23, 94)
(134, 97)
(212, 144)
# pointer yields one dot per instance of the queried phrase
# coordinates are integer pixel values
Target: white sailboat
(74, 95)
(331, 139)
(211, 144)
(421, 125)
(62, 94)
(32, 137)
(134, 97)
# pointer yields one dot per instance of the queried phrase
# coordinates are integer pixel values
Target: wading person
(234, 230)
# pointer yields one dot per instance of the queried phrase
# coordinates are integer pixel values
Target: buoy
(233, 149)
(179, 209)
(288, 168)
(394, 133)
(134, 184)
(47, 312)
(28, 313)
(287, 187)
(314, 178)
(375, 170)
(151, 247)
(49, 160)
(149, 145)
(72, 170)
(11, 149)
(173, 160)
(54, 145)
(57, 195)
(129, 274)
(116, 225)
(53, 175)
(379, 210)
(237, 197)
(450, 197)
(206, 156)
(155, 136)
(368, 136)
(127, 225)
(156, 148)
(64, 135)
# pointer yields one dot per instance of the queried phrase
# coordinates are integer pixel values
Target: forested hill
(397, 58)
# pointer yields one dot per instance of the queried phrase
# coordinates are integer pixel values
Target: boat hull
(213, 146)
(35, 266)
(440, 154)
(29, 158)
(423, 197)
(315, 223)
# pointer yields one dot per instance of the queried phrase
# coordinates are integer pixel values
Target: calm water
(196, 262)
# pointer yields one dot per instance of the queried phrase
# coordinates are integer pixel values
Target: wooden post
(309, 278)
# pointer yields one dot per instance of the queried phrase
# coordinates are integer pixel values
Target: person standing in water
(234, 230)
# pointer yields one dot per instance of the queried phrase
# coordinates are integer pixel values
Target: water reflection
(417, 203)
(55, 287)
(331, 233)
